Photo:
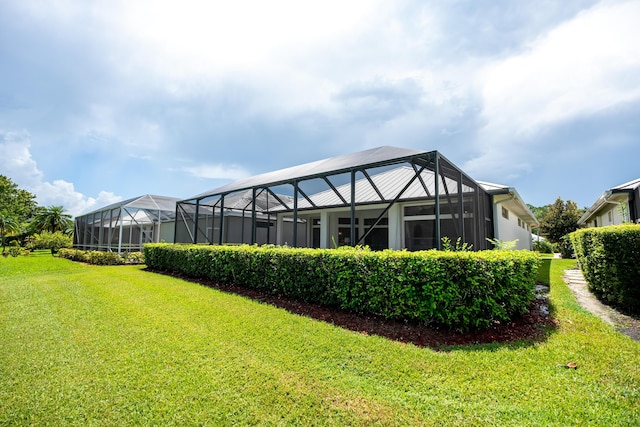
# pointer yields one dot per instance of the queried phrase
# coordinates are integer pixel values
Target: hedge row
(460, 290)
(609, 257)
(102, 258)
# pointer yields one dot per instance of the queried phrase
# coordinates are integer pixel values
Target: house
(614, 206)
(127, 225)
(385, 197)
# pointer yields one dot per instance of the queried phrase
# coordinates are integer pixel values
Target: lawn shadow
(526, 330)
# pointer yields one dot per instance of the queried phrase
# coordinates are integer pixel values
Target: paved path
(622, 323)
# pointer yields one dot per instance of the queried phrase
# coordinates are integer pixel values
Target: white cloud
(212, 171)
(581, 67)
(22, 169)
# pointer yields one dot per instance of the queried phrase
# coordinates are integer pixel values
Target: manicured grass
(88, 345)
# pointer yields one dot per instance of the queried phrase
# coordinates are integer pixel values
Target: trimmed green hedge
(102, 257)
(461, 290)
(609, 257)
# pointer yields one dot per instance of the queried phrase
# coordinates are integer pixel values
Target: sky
(105, 100)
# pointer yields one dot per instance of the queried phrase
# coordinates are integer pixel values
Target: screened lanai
(127, 225)
(385, 197)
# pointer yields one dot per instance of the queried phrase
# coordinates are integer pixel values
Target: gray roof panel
(147, 201)
(308, 170)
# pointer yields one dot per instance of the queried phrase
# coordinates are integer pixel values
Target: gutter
(605, 198)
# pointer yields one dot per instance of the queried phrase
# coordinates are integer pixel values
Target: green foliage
(53, 241)
(461, 290)
(102, 258)
(460, 246)
(565, 247)
(560, 219)
(14, 248)
(609, 257)
(8, 224)
(501, 245)
(15, 202)
(52, 219)
(624, 213)
(542, 246)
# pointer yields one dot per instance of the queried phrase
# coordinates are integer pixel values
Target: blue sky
(107, 100)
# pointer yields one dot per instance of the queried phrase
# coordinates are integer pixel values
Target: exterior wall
(610, 214)
(166, 231)
(512, 227)
(397, 229)
(329, 227)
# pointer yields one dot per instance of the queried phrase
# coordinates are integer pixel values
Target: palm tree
(52, 219)
(8, 224)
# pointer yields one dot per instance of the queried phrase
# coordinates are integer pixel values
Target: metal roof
(333, 165)
(628, 186)
(148, 202)
(389, 183)
(243, 200)
(609, 196)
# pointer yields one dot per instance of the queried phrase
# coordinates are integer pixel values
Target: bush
(460, 290)
(102, 258)
(609, 258)
(565, 247)
(53, 241)
(14, 248)
(542, 246)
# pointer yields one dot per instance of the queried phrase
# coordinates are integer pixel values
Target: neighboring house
(384, 197)
(127, 225)
(615, 206)
(513, 218)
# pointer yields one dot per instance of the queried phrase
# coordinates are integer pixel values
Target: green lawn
(88, 345)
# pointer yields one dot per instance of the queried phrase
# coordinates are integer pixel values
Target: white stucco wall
(609, 215)
(507, 229)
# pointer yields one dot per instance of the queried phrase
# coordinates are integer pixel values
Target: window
(346, 221)
(505, 213)
(610, 215)
(378, 238)
(519, 223)
(370, 221)
(419, 210)
(344, 231)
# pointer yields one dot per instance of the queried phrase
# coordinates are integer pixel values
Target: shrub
(542, 246)
(460, 290)
(14, 248)
(102, 258)
(609, 258)
(53, 241)
(565, 247)
(501, 245)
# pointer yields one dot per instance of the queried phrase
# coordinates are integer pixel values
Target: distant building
(127, 225)
(615, 206)
(384, 197)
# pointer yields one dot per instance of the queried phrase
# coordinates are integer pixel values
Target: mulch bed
(533, 326)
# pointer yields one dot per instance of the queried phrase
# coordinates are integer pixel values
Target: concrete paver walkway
(621, 322)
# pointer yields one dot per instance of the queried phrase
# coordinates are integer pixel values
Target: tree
(15, 202)
(8, 224)
(52, 219)
(539, 212)
(560, 219)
